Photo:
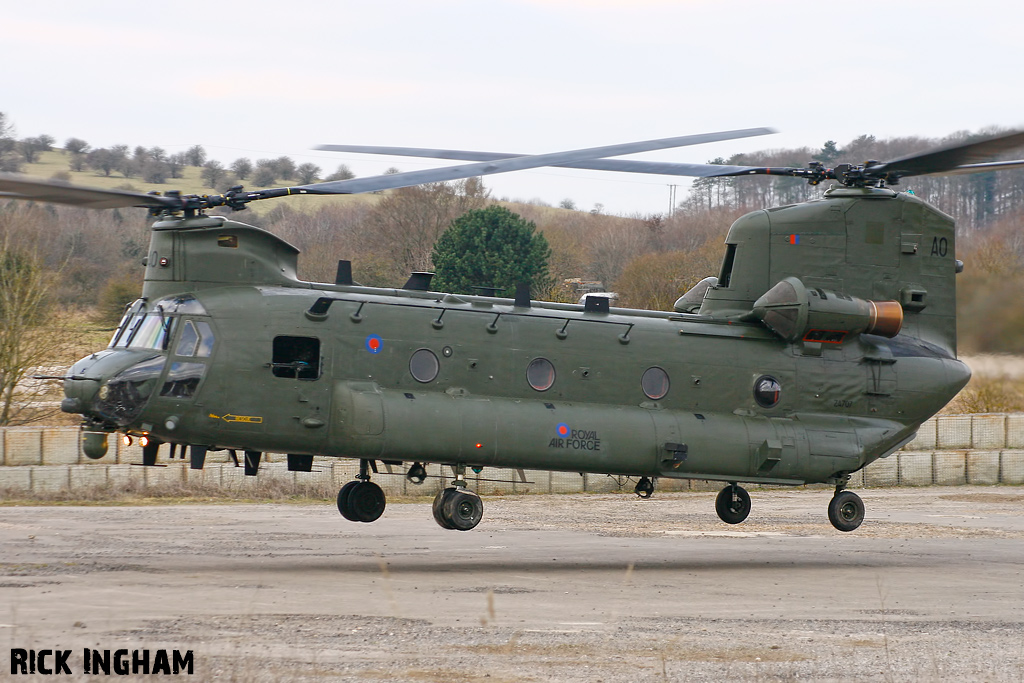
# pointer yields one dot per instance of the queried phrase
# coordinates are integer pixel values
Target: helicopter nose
(111, 386)
(81, 385)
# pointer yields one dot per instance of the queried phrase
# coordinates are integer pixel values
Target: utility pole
(671, 200)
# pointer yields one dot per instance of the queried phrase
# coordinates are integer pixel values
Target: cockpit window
(196, 339)
(188, 340)
(205, 339)
(182, 305)
(151, 327)
(146, 331)
(126, 320)
(183, 380)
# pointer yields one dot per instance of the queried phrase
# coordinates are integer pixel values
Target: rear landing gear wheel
(644, 488)
(438, 508)
(361, 501)
(733, 504)
(846, 510)
(463, 509)
(457, 508)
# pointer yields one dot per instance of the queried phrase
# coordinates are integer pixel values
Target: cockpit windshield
(143, 331)
(151, 327)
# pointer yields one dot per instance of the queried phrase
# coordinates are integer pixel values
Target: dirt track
(548, 588)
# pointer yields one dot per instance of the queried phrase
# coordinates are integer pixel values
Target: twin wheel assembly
(455, 507)
(845, 510)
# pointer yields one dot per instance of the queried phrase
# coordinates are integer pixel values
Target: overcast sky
(262, 79)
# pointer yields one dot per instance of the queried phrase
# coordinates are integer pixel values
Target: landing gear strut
(361, 500)
(845, 510)
(644, 487)
(457, 507)
(733, 504)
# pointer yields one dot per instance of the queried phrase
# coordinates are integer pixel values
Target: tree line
(155, 165)
(975, 200)
(649, 260)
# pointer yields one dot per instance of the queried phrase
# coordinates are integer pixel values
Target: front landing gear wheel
(361, 501)
(367, 501)
(846, 511)
(733, 504)
(644, 488)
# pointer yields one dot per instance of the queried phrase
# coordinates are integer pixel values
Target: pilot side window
(296, 357)
(196, 339)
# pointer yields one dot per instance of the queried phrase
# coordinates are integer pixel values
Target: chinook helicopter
(824, 342)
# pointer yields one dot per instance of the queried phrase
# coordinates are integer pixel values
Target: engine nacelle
(793, 311)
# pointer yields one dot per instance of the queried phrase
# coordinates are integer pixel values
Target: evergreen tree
(491, 247)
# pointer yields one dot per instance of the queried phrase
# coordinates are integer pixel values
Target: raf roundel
(563, 430)
(373, 344)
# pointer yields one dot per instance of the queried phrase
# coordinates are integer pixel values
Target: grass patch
(989, 394)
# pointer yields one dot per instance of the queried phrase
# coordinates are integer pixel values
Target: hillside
(56, 163)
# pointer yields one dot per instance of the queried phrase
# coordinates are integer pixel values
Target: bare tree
(406, 223)
(9, 160)
(242, 168)
(196, 155)
(176, 164)
(104, 160)
(266, 173)
(31, 148)
(308, 173)
(76, 146)
(285, 167)
(656, 279)
(77, 161)
(213, 172)
(6, 127)
(155, 171)
(33, 330)
(343, 173)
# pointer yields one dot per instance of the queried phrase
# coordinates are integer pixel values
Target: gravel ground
(548, 588)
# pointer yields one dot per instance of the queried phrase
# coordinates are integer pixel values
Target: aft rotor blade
(517, 163)
(984, 168)
(958, 158)
(619, 165)
(33, 189)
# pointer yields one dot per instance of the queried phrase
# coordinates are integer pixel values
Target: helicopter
(825, 341)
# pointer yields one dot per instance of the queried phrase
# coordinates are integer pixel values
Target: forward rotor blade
(17, 187)
(34, 189)
(619, 165)
(517, 163)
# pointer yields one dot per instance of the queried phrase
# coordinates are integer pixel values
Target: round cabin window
(424, 366)
(655, 383)
(767, 391)
(540, 373)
